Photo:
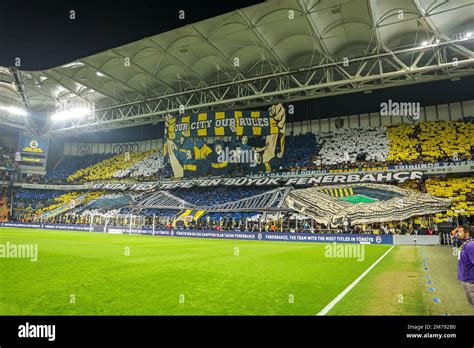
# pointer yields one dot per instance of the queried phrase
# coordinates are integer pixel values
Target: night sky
(42, 35)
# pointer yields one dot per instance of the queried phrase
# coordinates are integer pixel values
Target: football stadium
(303, 158)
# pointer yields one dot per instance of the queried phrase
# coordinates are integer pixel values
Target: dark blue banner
(258, 236)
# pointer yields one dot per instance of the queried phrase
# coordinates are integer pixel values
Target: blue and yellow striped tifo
(339, 192)
(222, 123)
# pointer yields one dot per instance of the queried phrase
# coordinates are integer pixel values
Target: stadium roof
(275, 51)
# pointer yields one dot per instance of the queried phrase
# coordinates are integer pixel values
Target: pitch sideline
(339, 297)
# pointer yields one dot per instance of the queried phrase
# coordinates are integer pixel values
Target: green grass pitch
(81, 273)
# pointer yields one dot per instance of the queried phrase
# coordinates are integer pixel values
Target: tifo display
(348, 165)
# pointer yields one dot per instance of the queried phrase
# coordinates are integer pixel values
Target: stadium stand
(68, 165)
(403, 145)
(7, 155)
(145, 168)
(431, 141)
(107, 168)
(351, 145)
(461, 192)
(425, 142)
(35, 199)
(299, 150)
(204, 197)
(68, 197)
(446, 141)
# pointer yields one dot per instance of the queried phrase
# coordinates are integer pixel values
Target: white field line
(339, 297)
(102, 244)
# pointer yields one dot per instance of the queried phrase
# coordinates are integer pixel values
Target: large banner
(363, 203)
(52, 187)
(321, 180)
(257, 236)
(257, 141)
(64, 207)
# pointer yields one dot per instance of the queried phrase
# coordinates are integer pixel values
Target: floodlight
(70, 114)
(14, 110)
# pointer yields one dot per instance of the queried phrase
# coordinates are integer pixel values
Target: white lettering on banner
(339, 178)
(328, 178)
(302, 181)
(181, 127)
(201, 125)
(416, 175)
(240, 181)
(315, 180)
(362, 239)
(229, 182)
(402, 176)
(254, 122)
(384, 176)
(266, 181)
(226, 122)
(353, 178)
(272, 181)
(368, 177)
(252, 181)
(291, 181)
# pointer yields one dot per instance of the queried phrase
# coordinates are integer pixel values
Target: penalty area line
(339, 297)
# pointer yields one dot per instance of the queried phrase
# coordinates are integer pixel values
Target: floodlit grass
(144, 275)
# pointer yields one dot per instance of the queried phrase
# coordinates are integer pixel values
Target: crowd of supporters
(218, 195)
(34, 199)
(7, 155)
(348, 148)
(7, 161)
(69, 165)
(112, 208)
(426, 142)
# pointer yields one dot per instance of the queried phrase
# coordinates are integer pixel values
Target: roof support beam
(123, 84)
(272, 93)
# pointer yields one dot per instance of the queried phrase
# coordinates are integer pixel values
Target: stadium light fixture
(73, 65)
(13, 110)
(71, 114)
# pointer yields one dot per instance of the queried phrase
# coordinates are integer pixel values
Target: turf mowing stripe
(339, 297)
(91, 243)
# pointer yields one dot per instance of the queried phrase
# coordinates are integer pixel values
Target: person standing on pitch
(466, 262)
